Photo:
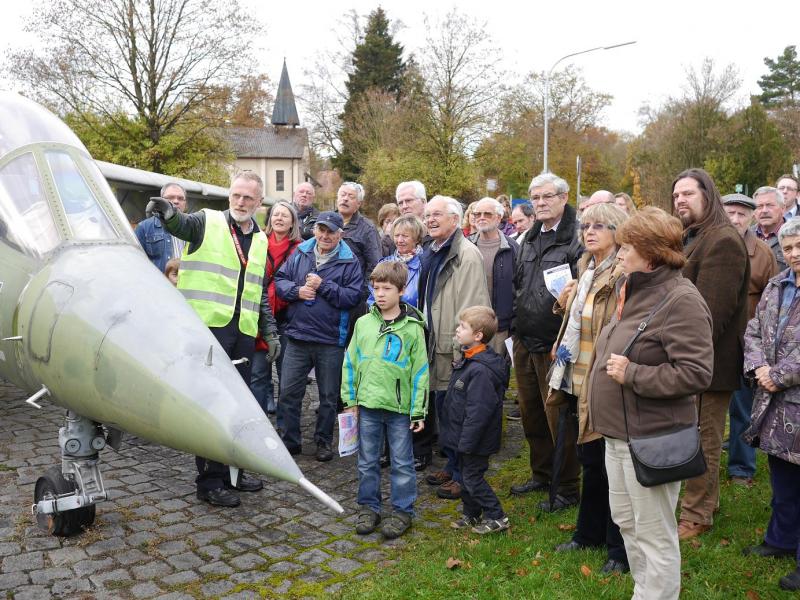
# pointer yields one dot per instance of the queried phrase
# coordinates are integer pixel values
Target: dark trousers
(595, 526)
(532, 387)
(784, 524)
(477, 495)
(212, 475)
(423, 440)
(450, 453)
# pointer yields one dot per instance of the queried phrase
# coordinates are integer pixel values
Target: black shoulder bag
(664, 457)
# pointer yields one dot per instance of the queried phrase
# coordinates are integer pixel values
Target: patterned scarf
(568, 349)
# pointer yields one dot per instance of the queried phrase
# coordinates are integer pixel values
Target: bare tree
(158, 60)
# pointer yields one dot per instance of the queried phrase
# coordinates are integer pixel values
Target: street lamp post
(547, 88)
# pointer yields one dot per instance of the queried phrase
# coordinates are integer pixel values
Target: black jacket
(474, 404)
(306, 221)
(534, 324)
(502, 291)
(364, 240)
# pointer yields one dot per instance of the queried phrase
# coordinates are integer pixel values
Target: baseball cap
(331, 220)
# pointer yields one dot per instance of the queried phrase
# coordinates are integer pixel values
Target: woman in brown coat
(670, 362)
(589, 307)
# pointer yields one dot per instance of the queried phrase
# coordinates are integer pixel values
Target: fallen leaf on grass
(531, 520)
(473, 542)
(536, 563)
(605, 580)
(585, 570)
(751, 595)
(759, 531)
(724, 542)
(521, 572)
(695, 543)
(452, 563)
(513, 552)
(556, 576)
(565, 527)
(748, 573)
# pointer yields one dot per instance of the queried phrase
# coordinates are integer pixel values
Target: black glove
(160, 207)
(274, 347)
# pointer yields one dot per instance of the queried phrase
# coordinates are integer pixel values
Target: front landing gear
(65, 498)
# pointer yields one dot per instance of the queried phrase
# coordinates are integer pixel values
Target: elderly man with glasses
(550, 243)
(788, 185)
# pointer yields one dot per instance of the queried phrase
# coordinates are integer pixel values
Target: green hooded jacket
(386, 366)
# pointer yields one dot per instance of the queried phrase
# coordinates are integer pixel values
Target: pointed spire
(285, 111)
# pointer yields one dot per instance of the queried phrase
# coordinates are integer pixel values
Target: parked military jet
(87, 324)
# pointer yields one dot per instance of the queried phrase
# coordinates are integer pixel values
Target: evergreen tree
(781, 86)
(378, 66)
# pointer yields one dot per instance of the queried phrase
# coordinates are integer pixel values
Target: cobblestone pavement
(153, 538)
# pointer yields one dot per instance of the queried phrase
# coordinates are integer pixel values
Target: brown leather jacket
(763, 267)
(670, 362)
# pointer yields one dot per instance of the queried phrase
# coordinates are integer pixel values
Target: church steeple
(285, 111)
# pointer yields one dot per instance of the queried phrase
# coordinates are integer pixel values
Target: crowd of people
(667, 325)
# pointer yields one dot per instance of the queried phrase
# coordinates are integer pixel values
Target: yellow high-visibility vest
(209, 277)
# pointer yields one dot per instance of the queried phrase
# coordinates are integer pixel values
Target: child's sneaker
(491, 525)
(465, 521)
(395, 525)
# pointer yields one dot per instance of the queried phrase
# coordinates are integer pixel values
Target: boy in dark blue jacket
(474, 405)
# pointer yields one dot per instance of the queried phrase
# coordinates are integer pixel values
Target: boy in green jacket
(385, 382)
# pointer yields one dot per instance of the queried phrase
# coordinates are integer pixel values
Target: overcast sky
(533, 34)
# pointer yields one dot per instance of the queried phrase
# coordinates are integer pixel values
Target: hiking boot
(688, 529)
(615, 566)
(324, 452)
(246, 484)
(367, 521)
(450, 490)
(559, 503)
(791, 581)
(219, 497)
(529, 486)
(491, 526)
(395, 525)
(767, 551)
(421, 462)
(438, 478)
(465, 521)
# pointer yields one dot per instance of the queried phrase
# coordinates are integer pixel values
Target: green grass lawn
(520, 563)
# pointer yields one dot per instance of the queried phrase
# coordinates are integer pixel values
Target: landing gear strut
(65, 498)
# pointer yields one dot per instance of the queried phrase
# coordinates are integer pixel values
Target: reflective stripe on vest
(209, 277)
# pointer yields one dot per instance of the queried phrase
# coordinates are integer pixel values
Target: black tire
(67, 523)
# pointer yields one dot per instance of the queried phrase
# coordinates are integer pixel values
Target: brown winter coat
(718, 265)
(605, 303)
(670, 362)
(763, 267)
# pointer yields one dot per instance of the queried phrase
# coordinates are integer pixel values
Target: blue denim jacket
(155, 241)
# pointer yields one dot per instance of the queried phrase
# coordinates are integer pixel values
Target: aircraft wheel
(65, 524)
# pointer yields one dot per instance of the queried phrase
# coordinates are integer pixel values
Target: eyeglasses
(488, 214)
(597, 226)
(546, 197)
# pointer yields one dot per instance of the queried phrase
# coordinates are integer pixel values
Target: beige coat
(603, 307)
(461, 283)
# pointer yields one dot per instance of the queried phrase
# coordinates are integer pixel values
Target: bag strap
(626, 351)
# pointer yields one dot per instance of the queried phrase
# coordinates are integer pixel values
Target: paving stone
(343, 565)
(106, 547)
(130, 557)
(146, 511)
(48, 576)
(285, 567)
(173, 504)
(277, 551)
(175, 596)
(312, 557)
(247, 561)
(151, 570)
(42, 543)
(314, 575)
(11, 581)
(173, 547)
(23, 562)
(145, 590)
(242, 544)
(66, 556)
(68, 588)
(248, 577)
(342, 546)
(9, 548)
(170, 518)
(216, 588)
(141, 538)
(216, 568)
(104, 580)
(185, 560)
(372, 555)
(176, 530)
(180, 578)
(31, 592)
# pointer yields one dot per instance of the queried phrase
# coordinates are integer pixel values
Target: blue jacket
(326, 320)
(411, 295)
(156, 241)
(473, 405)
(502, 291)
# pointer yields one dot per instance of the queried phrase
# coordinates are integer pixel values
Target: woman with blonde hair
(588, 306)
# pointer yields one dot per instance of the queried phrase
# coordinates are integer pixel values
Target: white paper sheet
(556, 278)
(510, 348)
(348, 434)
